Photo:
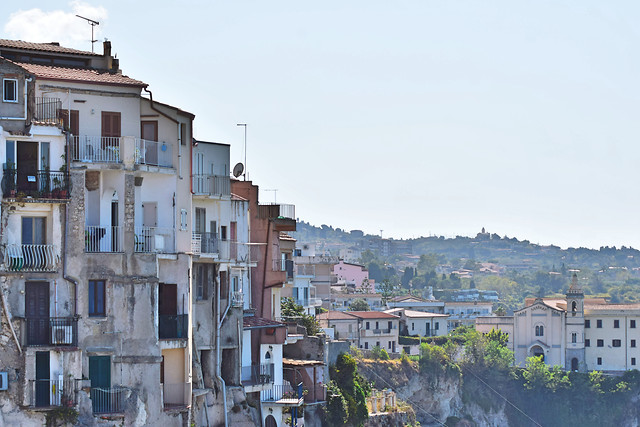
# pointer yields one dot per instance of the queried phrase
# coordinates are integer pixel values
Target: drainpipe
(69, 279)
(218, 363)
(30, 79)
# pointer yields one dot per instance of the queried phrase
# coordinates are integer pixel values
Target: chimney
(106, 48)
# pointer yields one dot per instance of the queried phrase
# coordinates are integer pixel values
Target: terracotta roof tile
(44, 47)
(79, 75)
(335, 315)
(253, 322)
(372, 315)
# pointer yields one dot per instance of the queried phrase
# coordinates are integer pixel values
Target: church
(576, 333)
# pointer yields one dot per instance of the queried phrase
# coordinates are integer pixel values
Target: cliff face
(433, 398)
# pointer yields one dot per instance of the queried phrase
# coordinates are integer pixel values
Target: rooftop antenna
(275, 193)
(93, 24)
(244, 175)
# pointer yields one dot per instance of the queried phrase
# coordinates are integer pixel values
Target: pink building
(352, 274)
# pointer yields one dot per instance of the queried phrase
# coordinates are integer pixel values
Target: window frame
(599, 361)
(616, 323)
(600, 343)
(15, 90)
(587, 342)
(587, 323)
(633, 343)
(633, 361)
(616, 343)
(96, 298)
(632, 323)
(599, 323)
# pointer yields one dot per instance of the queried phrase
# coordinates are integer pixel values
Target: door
(168, 310)
(37, 312)
(110, 129)
(27, 167)
(42, 378)
(149, 222)
(115, 234)
(233, 235)
(149, 132)
(100, 377)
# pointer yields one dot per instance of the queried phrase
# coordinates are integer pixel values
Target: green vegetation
(359, 304)
(294, 312)
(352, 388)
(379, 353)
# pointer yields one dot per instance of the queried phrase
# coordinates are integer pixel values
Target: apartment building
(364, 329)
(95, 240)
(420, 323)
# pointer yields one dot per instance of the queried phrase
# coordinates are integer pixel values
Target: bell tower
(574, 328)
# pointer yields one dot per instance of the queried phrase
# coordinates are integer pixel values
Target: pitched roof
(415, 313)
(372, 315)
(44, 47)
(82, 75)
(335, 315)
(254, 322)
(301, 362)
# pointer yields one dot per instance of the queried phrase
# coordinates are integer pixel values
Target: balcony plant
(9, 179)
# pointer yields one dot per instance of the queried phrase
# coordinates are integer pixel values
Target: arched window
(270, 421)
(539, 330)
(574, 307)
(268, 355)
(574, 337)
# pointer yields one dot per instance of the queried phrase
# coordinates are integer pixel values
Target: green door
(100, 376)
(42, 378)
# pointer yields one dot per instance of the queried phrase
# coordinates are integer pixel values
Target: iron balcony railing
(102, 238)
(52, 331)
(283, 393)
(102, 149)
(204, 243)
(237, 299)
(212, 185)
(173, 326)
(279, 264)
(155, 239)
(39, 184)
(289, 265)
(176, 395)
(276, 211)
(30, 258)
(45, 393)
(257, 374)
(48, 110)
(153, 153)
(107, 400)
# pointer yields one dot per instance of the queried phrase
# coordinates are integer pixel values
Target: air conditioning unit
(4, 381)
(61, 335)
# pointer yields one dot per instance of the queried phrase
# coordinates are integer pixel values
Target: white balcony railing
(237, 299)
(153, 153)
(102, 238)
(213, 185)
(155, 240)
(105, 149)
(30, 258)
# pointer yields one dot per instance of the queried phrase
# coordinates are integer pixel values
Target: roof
(82, 75)
(301, 362)
(468, 302)
(415, 313)
(335, 315)
(285, 236)
(238, 198)
(355, 296)
(372, 315)
(44, 47)
(253, 322)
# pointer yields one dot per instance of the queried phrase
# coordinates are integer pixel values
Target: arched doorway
(537, 351)
(270, 421)
(574, 364)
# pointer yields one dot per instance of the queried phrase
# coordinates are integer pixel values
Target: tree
(359, 304)
(353, 387)
(337, 410)
(294, 312)
(387, 291)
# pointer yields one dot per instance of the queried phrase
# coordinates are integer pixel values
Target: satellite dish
(238, 169)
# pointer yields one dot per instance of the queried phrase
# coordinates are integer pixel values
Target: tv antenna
(275, 193)
(238, 170)
(93, 24)
(244, 175)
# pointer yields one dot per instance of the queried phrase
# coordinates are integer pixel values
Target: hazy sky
(415, 117)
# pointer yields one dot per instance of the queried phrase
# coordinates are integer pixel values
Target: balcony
(48, 111)
(276, 211)
(155, 240)
(307, 270)
(47, 393)
(107, 400)
(374, 332)
(279, 264)
(176, 396)
(153, 153)
(309, 302)
(52, 331)
(237, 299)
(40, 184)
(102, 238)
(100, 149)
(204, 243)
(173, 326)
(211, 185)
(39, 258)
(257, 374)
(283, 394)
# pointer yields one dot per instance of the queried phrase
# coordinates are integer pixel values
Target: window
(183, 219)
(599, 360)
(377, 325)
(223, 232)
(539, 331)
(367, 325)
(437, 326)
(600, 343)
(632, 323)
(587, 323)
(413, 326)
(390, 325)
(389, 344)
(616, 323)
(377, 343)
(202, 279)
(34, 230)
(366, 345)
(599, 323)
(574, 337)
(10, 90)
(587, 342)
(633, 361)
(633, 343)
(616, 343)
(96, 298)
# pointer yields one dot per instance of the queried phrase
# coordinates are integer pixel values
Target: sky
(413, 117)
